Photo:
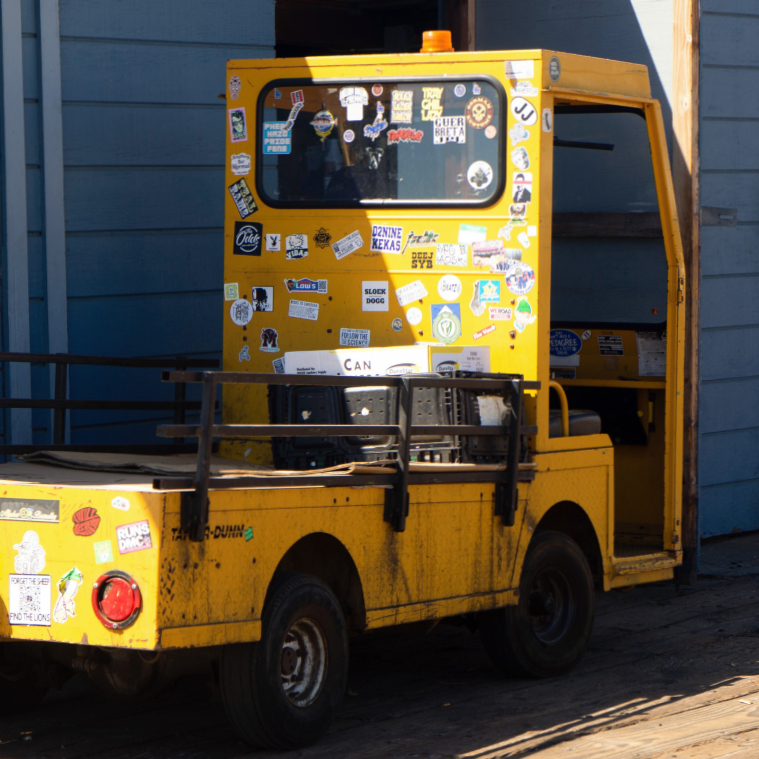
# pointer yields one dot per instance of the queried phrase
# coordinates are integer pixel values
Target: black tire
(546, 633)
(266, 701)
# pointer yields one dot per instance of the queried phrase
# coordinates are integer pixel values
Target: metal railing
(60, 404)
(195, 504)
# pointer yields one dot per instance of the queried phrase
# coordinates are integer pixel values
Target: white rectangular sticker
(347, 245)
(410, 292)
(302, 309)
(354, 338)
(652, 354)
(374, 296)
(386, 239)
(499, 314)
(469, 233)
(451, 255)
(519, 69)
(449, 129)
(29, 600)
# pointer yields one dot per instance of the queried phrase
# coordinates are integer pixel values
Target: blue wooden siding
(729, 346)
(144, 134)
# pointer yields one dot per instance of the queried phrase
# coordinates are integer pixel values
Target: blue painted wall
(729, 346)
(144, 140)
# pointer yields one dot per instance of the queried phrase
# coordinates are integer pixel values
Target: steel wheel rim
(551, 606)
(303, 662)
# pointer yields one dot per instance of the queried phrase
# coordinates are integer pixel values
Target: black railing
(195, 505)
(60, 405)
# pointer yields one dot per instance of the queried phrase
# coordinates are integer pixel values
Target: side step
(649, 562)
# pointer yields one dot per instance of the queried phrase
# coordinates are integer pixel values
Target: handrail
(553, 385)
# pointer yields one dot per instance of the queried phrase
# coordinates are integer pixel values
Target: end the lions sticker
(29, 510)
(134, 537)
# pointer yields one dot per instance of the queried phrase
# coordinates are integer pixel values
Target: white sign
(469, 233)
(374, 296)
(347, 245)
(450, 255)
(302, 309)
(449, 129)
(273, 243)
(410, 292)
(358, 338)
(449, 287)
(359, 362)
(354, 99)
(519, 69)
(29, 600)
(241, 164)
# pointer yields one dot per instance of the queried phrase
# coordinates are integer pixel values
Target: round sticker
(449, 287)
(523, 111)
(459, 90)
(520, 158)
(323, 123)
(349, 135)
(413, 316)
(490, 132)
(479, 175)
(564, 343)
(554, 69)
(519, 277)
(241, 312)
(397, 325)
(586, 335)
(377, 90)
(479, 112)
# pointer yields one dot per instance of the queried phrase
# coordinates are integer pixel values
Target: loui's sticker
(354, 338)
(410, 292)
(303, 309)
(374, 296)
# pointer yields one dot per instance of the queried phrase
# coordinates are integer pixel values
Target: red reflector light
(116, 600)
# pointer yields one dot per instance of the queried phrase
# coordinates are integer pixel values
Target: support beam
(685, 174)
(15, 306)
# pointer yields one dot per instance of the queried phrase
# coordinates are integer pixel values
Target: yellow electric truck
(424, 415)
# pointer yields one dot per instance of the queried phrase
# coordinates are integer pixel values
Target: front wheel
(282, 692)
(546, 633)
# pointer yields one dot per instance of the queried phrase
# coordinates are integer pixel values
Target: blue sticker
(276, 138)
(490, 291)
(277, 94)
(564, 343)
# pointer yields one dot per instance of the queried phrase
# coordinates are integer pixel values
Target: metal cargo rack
(195, 504)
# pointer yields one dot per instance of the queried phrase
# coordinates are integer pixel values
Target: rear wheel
(546, 633)
(283, 691)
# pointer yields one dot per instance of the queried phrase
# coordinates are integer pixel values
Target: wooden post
(685, 170)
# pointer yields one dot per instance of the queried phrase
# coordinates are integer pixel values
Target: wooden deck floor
(668, 674)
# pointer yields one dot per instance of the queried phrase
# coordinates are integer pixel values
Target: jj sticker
(277, 139)
(296, 246)
(231, 291)
(269, 340)
(31, 555)
(479, 112)
(103, 552)
(241, 312)
(262, 298)
(523, 313)
(354, 99)
(28, 510)
(524, 112)
(450, 255)
(402, 106)
(520, 278)
(432, 108)
(241, 164)
(302, 309)
(273, 243)
(386, 239)
(237, 129)
(354, 338)
(322, 238)
(323, 124)
(373, 130)
(68, 585)
(306, 286)
(248, 238)
(29, 600)
(243, 198)
(374, 296)
(347, 245)
(410, 292)
(522, 187)
(449, 287)
(518, 133)
(469, 233)
(479, 175)
(134, 537)
(405, 134)
(449, 129)
(86, 522)
(446, 322)
(489, 291)
(235, 85)
(520, 158)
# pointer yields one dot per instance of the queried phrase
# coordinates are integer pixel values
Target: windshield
(338, 144)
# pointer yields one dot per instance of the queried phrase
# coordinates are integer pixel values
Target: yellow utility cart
(408, 433)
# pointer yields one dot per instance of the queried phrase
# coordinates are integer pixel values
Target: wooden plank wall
(729, 350)
(143, 130)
